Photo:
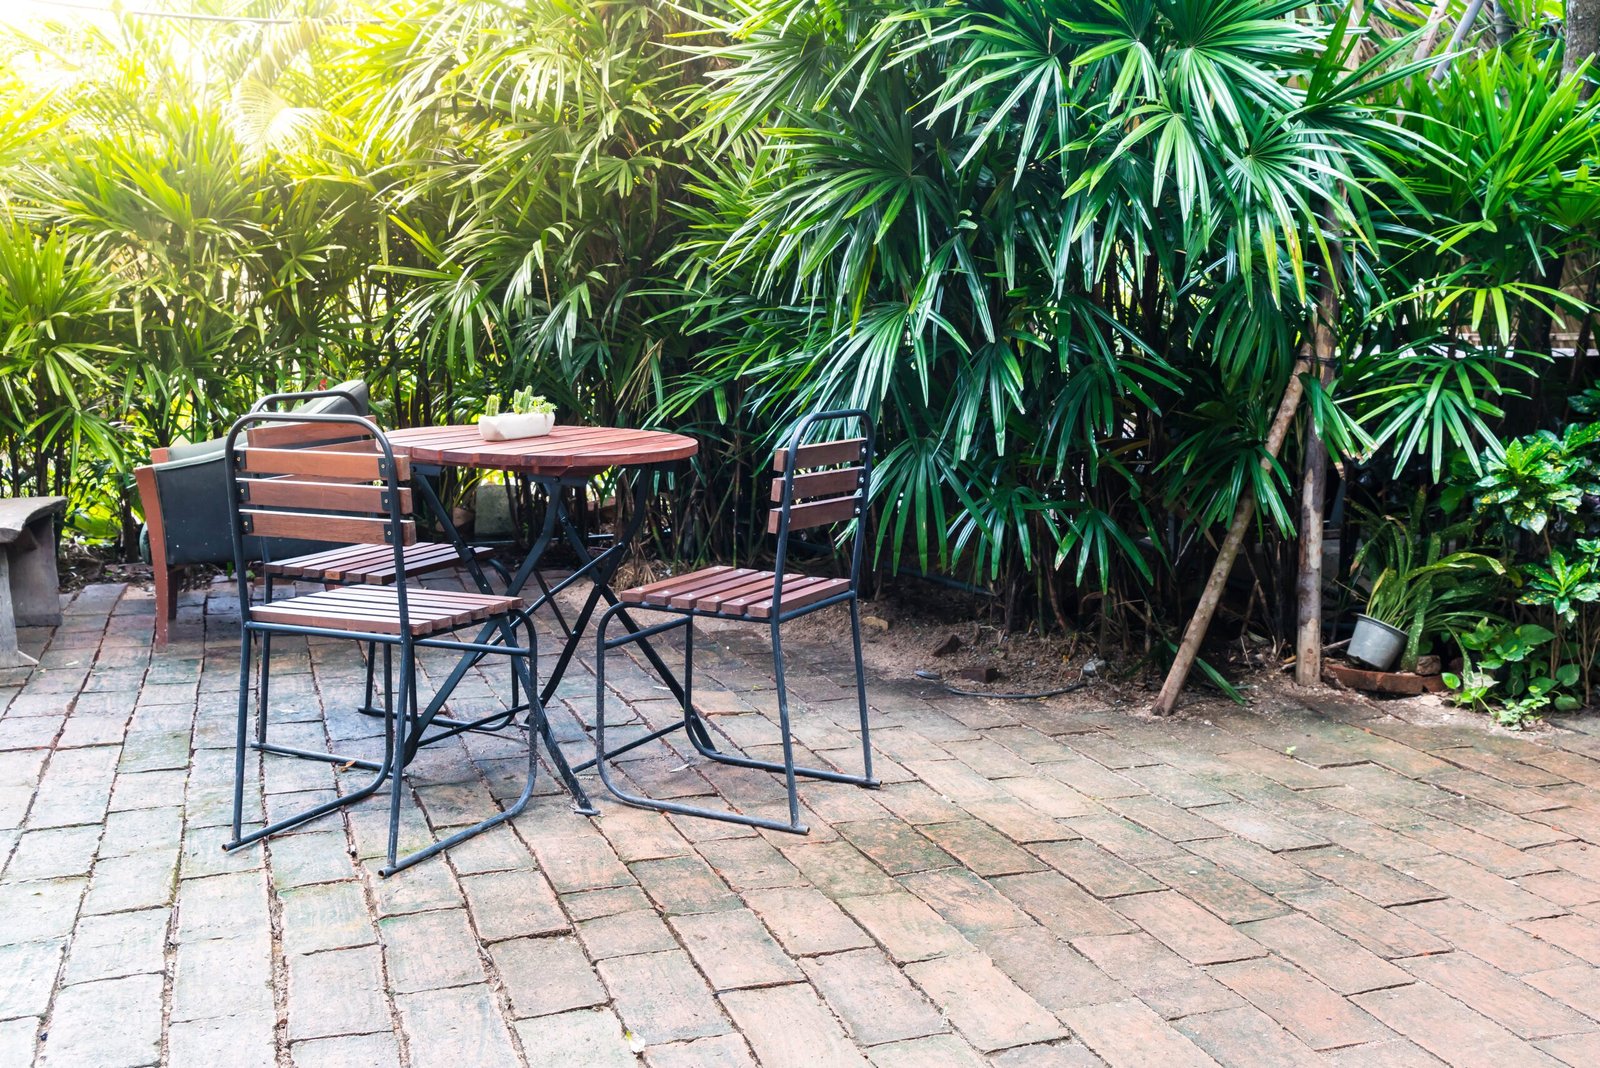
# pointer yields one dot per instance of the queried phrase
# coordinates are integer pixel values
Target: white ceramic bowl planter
(508, 426)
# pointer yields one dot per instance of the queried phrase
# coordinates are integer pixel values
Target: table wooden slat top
(565, 450)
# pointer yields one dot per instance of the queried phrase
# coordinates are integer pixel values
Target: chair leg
(602, 764)
(241, 736)
(401, 718)
(262, 690)
(367, 707)
(532, 727)
(783, 724)
(861, 696)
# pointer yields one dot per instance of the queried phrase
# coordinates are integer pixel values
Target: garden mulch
(1309, 880)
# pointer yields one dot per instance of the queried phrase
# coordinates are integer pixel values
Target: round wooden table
(565, 451)
(566, 457)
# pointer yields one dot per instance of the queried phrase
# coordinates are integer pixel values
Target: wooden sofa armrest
(150, 501)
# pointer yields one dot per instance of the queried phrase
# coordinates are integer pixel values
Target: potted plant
(1419, 592)
(530, 417)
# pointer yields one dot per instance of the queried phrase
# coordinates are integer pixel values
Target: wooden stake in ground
(1313, 496)
(1211, 596)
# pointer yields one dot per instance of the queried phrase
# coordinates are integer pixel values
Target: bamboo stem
(1211, 596)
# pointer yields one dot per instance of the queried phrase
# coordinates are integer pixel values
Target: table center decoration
(530, 417)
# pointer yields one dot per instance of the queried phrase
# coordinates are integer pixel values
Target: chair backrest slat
(362, 498)
(822, 484)
(313, 526)
(356, 461)
(822, 454)
(817, 513)
(300, 435)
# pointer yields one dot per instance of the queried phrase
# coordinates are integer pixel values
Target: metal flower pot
(1375, 643)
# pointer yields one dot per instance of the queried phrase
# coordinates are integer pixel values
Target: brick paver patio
(1032, 886)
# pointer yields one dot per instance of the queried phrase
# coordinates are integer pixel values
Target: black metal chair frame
(368, 707)
(692, 723)
(402, 722)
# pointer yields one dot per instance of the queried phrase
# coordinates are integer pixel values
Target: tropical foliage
(1071, 253)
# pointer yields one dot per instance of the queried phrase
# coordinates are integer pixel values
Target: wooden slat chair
(349, 487)
(367, 563)
(817, 485)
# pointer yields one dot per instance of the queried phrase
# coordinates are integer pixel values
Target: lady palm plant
(1022, 233)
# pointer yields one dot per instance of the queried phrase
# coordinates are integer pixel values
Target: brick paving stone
(661, 998)
(917, 803)
(1246, 1036)
(1579, 858)
(1256, 825)
(585, 1039)
(989, 1010)
(1512, 1004)
(1487, 938)
(1386, 933)
(1448, 1029)
(222, 977)
(1016, 820)
(1049, 796)
(1260, 867)
(39, 910)
(684, 886)
(624, 933)
(144, 880)
(872, 997)
(546, 975)
(110, 947)
(749, 864)
(1158, 976)
(1481, 850)
(18, 1040)
(1188, 930)
(512, 904)
(114, 1023)
(896, 847)
(1580, 1051)
(221, 906)
(30, 969)
(805, 922)
(839, 870)
(1393, 1053)
(1060, 906)
(788, 1027)
(458, 1026)
(1220, 892)
(1324, 954)
(724, 1051)
(325, 916)
(430, 950)
(1562, 888)
(337, 993)
(305, 858)
(1481, 889)
(1313, 1013)
(981, 849)
(1097, 871)
(596, 903)
(1125, 838)
(905, 926)
(1576, 935)
(1050, 971)
(57, 852)
(734, 950)
(947, 1051)
(1577, 985)
(1051, 1055)
(1161, 817)
(1127, 1034)
(968, 903)
(242, 1041)
(1376, 882)
(580, 863)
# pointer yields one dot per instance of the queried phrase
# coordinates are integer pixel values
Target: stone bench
(30, 591)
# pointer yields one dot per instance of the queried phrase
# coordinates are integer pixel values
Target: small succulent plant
(523, 402)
